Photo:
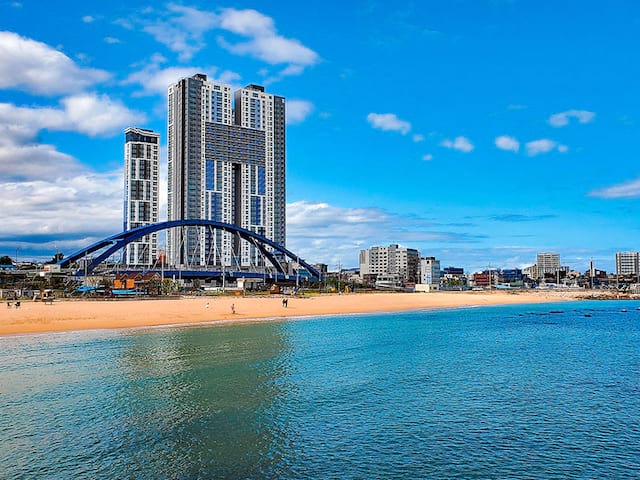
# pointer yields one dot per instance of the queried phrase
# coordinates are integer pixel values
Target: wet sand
(65, 315)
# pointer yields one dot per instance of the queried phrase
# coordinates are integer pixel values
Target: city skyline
(479, 133)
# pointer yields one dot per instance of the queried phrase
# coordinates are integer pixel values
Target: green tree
(6, 260)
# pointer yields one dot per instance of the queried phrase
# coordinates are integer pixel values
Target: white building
(141, 193)
(547, 263)
(628, 263)
(430, 271)
(391, 260)
(225, 163)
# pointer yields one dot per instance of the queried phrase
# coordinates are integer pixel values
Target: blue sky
(478, 131)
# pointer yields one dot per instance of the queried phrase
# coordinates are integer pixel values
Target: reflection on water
(508, 392)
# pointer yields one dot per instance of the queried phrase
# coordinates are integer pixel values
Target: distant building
(547, 263)
(628, 263)
(531, 271)
(391, 260)
(430, 271)
(510, 275)
(454, 271)
(141, 193)
(484, 279)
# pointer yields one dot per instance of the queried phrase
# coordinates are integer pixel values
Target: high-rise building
(628, 263)
(225, 163)
(547, 263)
(141, 193)
(391, 260)
(430, 271)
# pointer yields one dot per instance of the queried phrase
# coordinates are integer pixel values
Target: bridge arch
(116, 242)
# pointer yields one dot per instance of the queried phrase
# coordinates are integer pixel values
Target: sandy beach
(65, 315)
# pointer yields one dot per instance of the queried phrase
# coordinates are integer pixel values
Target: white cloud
(630, 189)
(182, 30)
(505, 142)
(563, 118)
(86, 113)
(388, 122)
(80, 206)
(427, 157)
(418, 137)
(111, 40)
(88, 19)
(20, 162)
(321, 232)
(155, 80)
(265, 44)
(544, 145)
(298, 111)
(462, 144)
(35, 67)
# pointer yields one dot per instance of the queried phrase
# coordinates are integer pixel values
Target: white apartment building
(390, 260)
(141, 193)
(430, 271)
(547, 263)
(628, 263)
(226, 163)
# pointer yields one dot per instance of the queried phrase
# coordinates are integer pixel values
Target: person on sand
(233, 308)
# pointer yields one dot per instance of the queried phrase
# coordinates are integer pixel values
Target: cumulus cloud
(88, 19)
(563, 119)
(155, 80)
(462, 144)
(544, 145)
(298, 111)
(630, 189)
(418, 137)
(505, 142)
(37, 68)
(321, 232)
(388, 122)
(86, 113)
(37, 212)
(182, 30)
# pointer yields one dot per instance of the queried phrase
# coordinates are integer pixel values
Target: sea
(548, 391)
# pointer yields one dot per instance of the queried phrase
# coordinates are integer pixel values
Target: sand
(66, 315)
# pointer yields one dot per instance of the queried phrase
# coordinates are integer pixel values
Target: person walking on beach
(233, 308)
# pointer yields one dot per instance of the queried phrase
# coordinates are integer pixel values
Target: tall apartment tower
(141, 193)
(548, 263)
(226, 164)
(628, 263)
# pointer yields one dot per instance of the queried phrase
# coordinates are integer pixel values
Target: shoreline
(73, 315)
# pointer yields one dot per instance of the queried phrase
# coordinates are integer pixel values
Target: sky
(480, 132)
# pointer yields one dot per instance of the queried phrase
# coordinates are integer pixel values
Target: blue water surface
(515, 392)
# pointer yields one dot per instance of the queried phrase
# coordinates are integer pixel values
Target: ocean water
(513, 392)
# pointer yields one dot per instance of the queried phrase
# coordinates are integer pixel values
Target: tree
(6, 260)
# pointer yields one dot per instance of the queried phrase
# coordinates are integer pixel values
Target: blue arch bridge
(274, 263)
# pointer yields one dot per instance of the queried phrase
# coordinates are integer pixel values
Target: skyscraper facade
(628, 263)
(141, 193)
(548, 263)
(225, 163)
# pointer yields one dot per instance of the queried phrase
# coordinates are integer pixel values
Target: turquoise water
(488, 393)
